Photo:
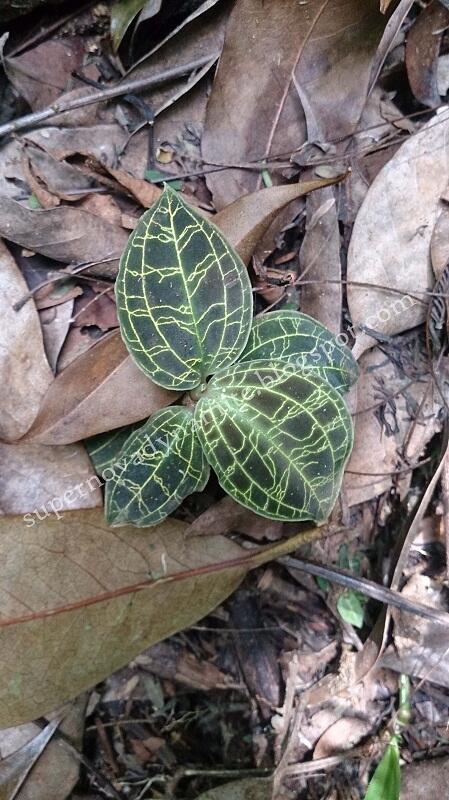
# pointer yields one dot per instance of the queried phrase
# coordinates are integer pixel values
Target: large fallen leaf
(322, 49)
(64, 234)
(79, 600)
(24, 370)
(390, 244)
(46, 480)
(101, 390)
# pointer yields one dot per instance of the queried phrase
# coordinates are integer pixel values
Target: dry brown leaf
(145, 193)
(63, 180)
(262, 116)
(421, 647)
(33, 476)
(384, 425)
(390, 244)
(64, 234)
(24, 371)
(247, 219)
(56, 770)
(227, 515)
(55, 322)
(343, 734)
(103, 142)
(15, 767)
(79, 599)
(44, 72)
(320, 261)
(422, 49)
(101, 390)
(429, 778)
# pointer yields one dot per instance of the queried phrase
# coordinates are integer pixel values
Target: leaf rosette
(271, 421)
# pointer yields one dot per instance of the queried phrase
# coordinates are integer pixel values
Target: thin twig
(136, 85)
(367, 588)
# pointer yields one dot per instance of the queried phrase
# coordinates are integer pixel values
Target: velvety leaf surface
(160, 464)
(104, 449)
(278, 440)
(184, 296)
(297, 339)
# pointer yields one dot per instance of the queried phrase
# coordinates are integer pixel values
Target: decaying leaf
(44, 72)
(312, 52)
(37, 477)
(421, 647)
(101, 390)
(56, 770)
(79, 599)
(15, 768)
(396, 415)
(421, 52)
(24, 370)
(396, 256)
(248, 218)
(80, 238)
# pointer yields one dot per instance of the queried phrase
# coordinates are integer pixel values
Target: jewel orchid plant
(263, 403)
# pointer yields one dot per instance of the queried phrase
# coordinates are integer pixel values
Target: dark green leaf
(160, 464)
(386, 781)
(122, 14)
(104, 448)
(184, 297)
(298, 339)
(278, 440)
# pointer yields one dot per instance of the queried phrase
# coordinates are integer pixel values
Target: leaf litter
(315, 137)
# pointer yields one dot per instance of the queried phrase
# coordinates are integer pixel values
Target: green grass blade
(386, 781)
(161, 464)
(277, 440)
(183, 295)
(298, 339)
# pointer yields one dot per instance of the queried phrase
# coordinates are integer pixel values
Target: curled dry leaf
(396, 256)
(100, 390)
(79, 600)
(263, 116)
(56, 770)
(33, 476)
(64, 234)
(421, 52)
(24, 370)
(43, 73)
(386, 437)
(15, 767)
(420, 646)
(247, 219)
